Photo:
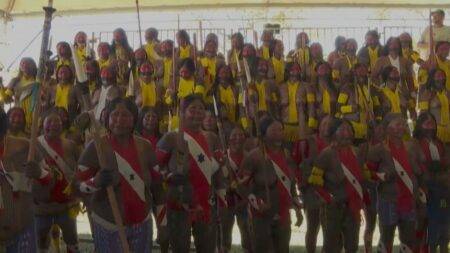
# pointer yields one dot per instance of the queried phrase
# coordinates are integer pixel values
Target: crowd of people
(194, 140)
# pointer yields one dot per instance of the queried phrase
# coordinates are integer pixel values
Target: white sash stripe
(62, 165)
(353, 181)
(285, 180)
(233, 165)
(209, 165)
(434, 152)
(403, 175)
(130, 175)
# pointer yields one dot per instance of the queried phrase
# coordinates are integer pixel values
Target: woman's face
(64, 74)
(323, 70)
(237, 137)
(209, 121)
(53, 126)
(121, 121)
(225, 73)
(150, 121)
(194, 114)
(344, 134)
(16, 120)
(185, 73)
(396, 128)
(274, 133)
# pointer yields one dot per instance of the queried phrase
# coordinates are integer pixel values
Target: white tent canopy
(29, 7)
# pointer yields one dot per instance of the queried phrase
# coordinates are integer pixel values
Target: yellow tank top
(91, 86)
(62, 95)
(185, 52)
(103, 63)
(303, 56)
(363, 94)
(351, 62)
(27, 104)
(394, 99)
(167, 71)
(62, 62)
(373, 56)
(186, 88)
(445, 114)
(228, 99)
(445, 66)
(265, 53)
(261, 90)
(81, 54)
(150, 51)
(326, 102)
(278, 68)
(292, 102)
(121, 53)
(148, 93)
(209, 64)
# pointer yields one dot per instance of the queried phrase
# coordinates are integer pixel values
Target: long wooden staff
(244, 89)
(139, 23)
(43, 57)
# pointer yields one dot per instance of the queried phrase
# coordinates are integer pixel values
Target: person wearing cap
(441, 32)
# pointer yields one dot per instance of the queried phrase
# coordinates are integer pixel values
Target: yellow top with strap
(62, 62)
(278, 68)
(186, 88)
(209, 64)
(292, 102)
(81, 54)
(148, 93)
(363, 102)
(121, 53)
(27, 103)
(92, 85)
(351, 62)
(265, 52)
(228, 99)
(185, 52)
(445, 114)
(411, 55)
(303, 56)
(62, 95)
(445, 66)
(167, 71)
(394, 99)
(102, 63)
(373, 56)
(326, 102)
(261, 90)
(152, 55)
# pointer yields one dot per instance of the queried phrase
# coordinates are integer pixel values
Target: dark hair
(239, 37)
(287, 69)
(330, 83)
(264, 123)
(385, 51)
(183, 34)
(188, 100)
(386, 71)
(72, 76)
(20, 109)
(3, 122)
(126, 45)
(230, 79)
(430, 84)
(64, 44)
(335, 123)
(144, 111)
(189, 64)
(374, 33)
(33, 65)
(418, 129)
(129, 104)
(337, 42)
(439, 11)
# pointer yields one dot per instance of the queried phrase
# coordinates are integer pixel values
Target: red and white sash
(131, 176)
(62, 165)
(407, 181)
(207, 165)
(434, 151)
(233, 164)
(353, 181)
(161, 215)
(284, 179)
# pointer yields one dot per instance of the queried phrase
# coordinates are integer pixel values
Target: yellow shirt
(445, 66)
(152, 55)
(228, 99)
(326, 102)
(167, 71)
(148, 93)
(62, 95)
(303, 56)
(62, 62)
(103, 63)
(445, 114)
(261, 90)
(209, 64)
(394, 99)
(373, 56)
(278, 68)
(265, 52)
(185, 52)
(81, 54)
(292, 102)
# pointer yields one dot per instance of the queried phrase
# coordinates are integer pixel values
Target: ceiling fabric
(30, 7)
